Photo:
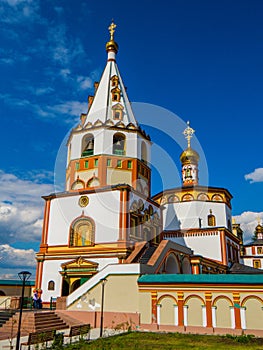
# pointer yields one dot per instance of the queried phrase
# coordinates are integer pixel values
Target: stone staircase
(32, 321)
(147, 255)
(5, 315)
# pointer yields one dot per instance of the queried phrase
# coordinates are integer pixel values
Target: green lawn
(168, 341)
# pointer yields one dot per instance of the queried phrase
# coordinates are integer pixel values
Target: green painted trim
(15, 283)
(206, 279)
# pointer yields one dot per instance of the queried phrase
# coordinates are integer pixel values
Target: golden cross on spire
(112, 30)
(259, 220)
(188, 133)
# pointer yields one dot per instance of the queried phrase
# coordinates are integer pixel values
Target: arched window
(143, 152)
(87, 145)
(82, 233)
(51, 285)
(116, 94)
(211, 219)
(119, 144)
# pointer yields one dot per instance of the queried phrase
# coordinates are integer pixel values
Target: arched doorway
(171, 265)
(75, 285)
(65, 288)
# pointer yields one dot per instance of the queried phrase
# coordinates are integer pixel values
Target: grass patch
(172, 341)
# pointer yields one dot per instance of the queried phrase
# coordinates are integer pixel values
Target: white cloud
(12, 257)
(255, 176)
(19, 11)
(248, 221)
(66, 112)
(43, 91)
(84, 82)
(73, 108)
(21, 208)
(13, 260)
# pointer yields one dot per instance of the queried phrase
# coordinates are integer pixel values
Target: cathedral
(176, 258)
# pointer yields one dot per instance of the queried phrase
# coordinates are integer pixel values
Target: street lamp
(24, 276)
(103, 282)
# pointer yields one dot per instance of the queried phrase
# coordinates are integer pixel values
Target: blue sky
(199, 59)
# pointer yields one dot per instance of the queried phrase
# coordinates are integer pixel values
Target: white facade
(194, 214)
(207, 245)
(103, 208)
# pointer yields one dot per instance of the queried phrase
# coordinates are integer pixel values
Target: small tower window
(117, 111)
(77, 166)
(259, 250)
(96, 162)
(51, 285)
(257, 264)
(119, 163)
(211, 219)
(119, 144)
(86, 164)
(143, 152)
(188, 173)
(87, 145)
(108, 162)
(114, 81)
(129, 164)
(116, 94)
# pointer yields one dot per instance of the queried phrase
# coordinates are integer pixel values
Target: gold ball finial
(112, 45)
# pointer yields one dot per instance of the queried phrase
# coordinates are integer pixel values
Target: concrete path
(94, 334)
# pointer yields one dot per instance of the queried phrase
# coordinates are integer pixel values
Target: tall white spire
(111, 103)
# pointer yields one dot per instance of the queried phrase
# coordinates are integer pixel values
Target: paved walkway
(94, 334)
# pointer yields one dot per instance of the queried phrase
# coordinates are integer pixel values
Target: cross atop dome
(112, 46)
(112, 30)
(188, 132)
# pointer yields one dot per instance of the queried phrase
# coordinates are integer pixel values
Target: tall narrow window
(211, 219)
(87, 145)
(119, 144)
(143, 152)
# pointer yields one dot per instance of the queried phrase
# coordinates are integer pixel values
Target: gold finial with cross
(112, 30)
(259, 220)
(188, 133)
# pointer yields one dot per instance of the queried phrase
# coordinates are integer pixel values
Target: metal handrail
(5, 302)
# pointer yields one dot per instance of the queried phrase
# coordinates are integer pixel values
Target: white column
(214, 316)
(185, 315)
(175, 315)
(204, 315)
(158, 313)
(243, 317)
(232, 315)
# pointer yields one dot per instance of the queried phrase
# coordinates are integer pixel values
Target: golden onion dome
(112, 46)
(189, 156)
